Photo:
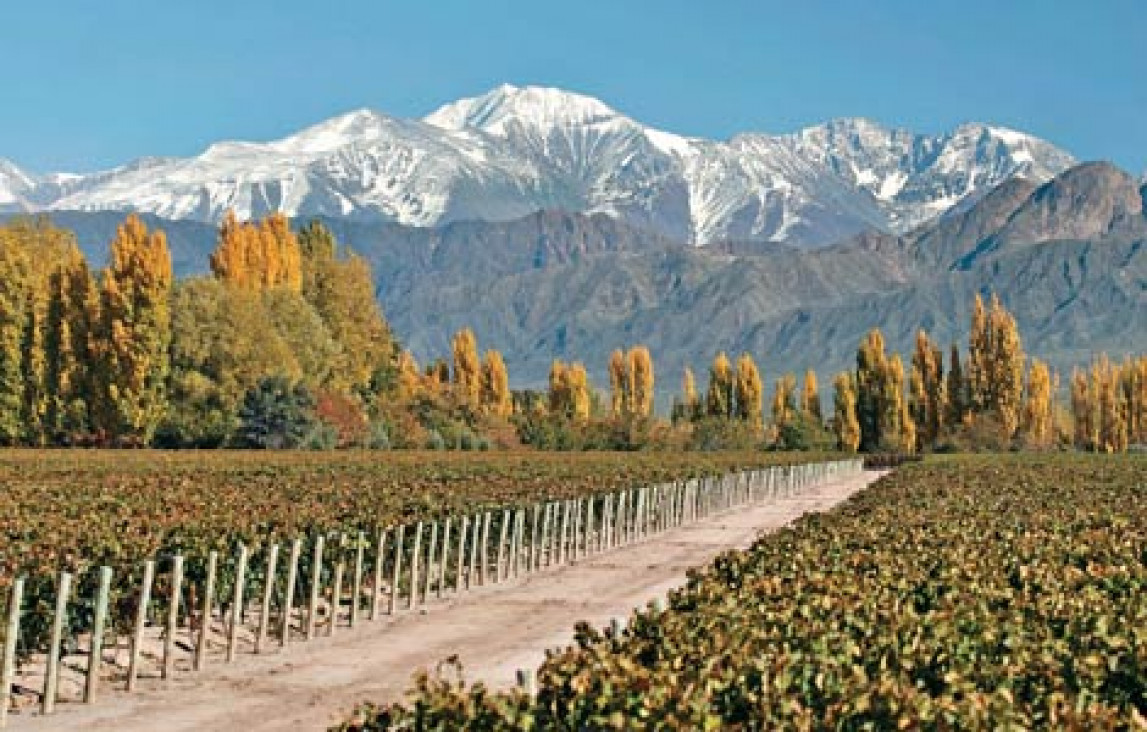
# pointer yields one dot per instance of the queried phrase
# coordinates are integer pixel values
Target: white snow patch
(1009, 136)
(668, 143)
(892, 186)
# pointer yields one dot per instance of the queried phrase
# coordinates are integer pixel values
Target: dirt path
(494, 631)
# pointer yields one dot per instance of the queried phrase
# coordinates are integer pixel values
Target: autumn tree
(224, 342)
(641, 381)
(340, 288)
(996, 364)
(495, 388)
(1037, 405)
(437, 379)
(569, 395)
(957, 392)
(631, 383)
(1112, 426)
(927, 390)
(15, 267)
(719, 395)
(784, 402)
(979, 359)
(410, 381)
(619, 395)
(467, 368)
(1084, 412)
(880, 406)
(258, 256)
(579, 390)
(72, 317)
(748, 392)
(1133, 382)
(810, 399)
(871, 374)
(690, 401)
(844, 423)
(134, 333)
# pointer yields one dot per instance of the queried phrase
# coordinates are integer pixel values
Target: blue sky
(93, 84)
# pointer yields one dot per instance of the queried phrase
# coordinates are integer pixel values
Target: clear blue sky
(92, 84)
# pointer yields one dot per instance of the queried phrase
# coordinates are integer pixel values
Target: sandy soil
(494, 631)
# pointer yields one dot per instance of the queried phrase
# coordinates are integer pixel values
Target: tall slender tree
(844, 423)
(620, 398)
(467, 368)
(749, 392)
(810, 399)
(927, 390)
(784, 402)
(1037, 405)
(495, 392)
(134, 333)
(641, 381)
(719, 395)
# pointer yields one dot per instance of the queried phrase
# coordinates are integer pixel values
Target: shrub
(276, 415)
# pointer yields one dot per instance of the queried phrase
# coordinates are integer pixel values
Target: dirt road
(494, 631)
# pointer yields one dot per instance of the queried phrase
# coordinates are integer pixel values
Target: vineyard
(182, 555)
(1003, 591)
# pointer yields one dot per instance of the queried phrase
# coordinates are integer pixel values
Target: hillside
(1067, 257)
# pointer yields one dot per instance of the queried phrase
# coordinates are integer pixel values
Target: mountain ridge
(517, 150)
(576, 286)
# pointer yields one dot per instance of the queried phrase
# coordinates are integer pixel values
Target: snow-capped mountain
(15, 185)
(514, 151)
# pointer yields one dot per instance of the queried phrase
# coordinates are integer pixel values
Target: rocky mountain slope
(1069, 257)
(516, 151)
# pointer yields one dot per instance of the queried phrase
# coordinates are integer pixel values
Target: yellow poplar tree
(410, 381)
(1037, 406)
(749, 392)
(619, 394)
(979, 359)
(641, 381)
(559, 397)
(1133, 382)
(495, 396)
(896, 423)
(689, 393)
(784, 402)
(467, 368)
(71, 319)
(578, 389)
(810, 398)
(1112, 427)
(719, 396)
(258, 256)
(958, 410)
(927, 390)
(1007, 368)
(1084, 412)
(844, 422)
(872, 392)
(135, 332)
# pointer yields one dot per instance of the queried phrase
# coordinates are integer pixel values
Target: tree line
(284, 345)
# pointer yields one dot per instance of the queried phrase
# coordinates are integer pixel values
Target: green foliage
(805, 432)
(277, 415)
(718, 433)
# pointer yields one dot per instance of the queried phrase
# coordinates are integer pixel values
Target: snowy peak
(359, 126)
(516, 150)
(530, 106)
(15, 185)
